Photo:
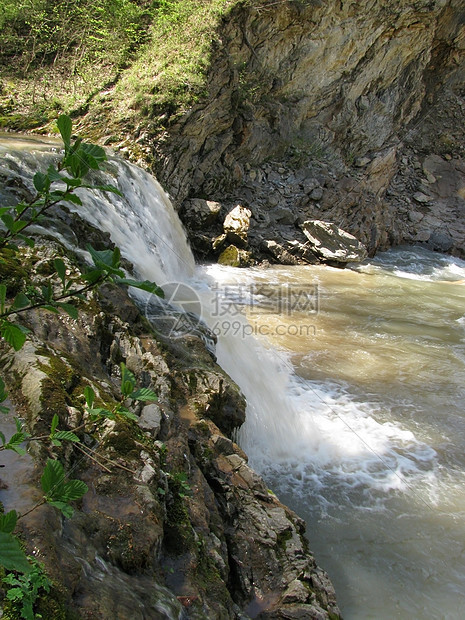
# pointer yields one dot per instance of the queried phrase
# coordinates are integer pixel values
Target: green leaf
(146, 285)
(106, 259)
(60, 269)
(9, 222)
(65, 508)
(47, 292)
(19, 208)
(143, 394)
(15, 594)
(8, 521)
(93, 275)
(74, 489)
(2, 437)
(123, 411)
(76, 164)
(2, 297)
(67, 436)
(54, 175)
(51, 309)
(99, 412)
(58, 492)
(41, 182)
(128, 381)
(15, 335)
(3, 394)
(12, 557)
(89, 395)
(94, 151)
(69, 308)
(54, 424)
(27, 240)
(65, 127)
(52, 478)
(15, 442)
(70, 182)
(20, 301)
(72, 198)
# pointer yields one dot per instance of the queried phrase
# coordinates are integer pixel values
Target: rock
(361, 162)
(421, 197)
(198, 213)
(332, 243)
(150, 419)
(283, 216)
(219, 242)
(423, 235)
(236, 225)
(415, 216)
(276, 250)
(296, 592)
(235, 257)
(316, 194)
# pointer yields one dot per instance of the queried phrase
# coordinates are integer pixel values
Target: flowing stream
(355, 382)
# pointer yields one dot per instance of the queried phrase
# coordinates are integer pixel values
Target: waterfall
(360, 429)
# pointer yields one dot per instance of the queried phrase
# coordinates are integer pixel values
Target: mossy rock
(232, 256)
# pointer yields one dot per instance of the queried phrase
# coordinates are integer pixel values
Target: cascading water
(355, 412)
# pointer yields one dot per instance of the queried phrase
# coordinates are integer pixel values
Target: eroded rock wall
(344, 97)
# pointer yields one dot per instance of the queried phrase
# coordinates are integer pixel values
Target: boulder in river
(332, 243)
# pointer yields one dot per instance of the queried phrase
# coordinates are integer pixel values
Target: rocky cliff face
(342, 111)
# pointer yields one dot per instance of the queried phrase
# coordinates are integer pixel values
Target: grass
(116, 71)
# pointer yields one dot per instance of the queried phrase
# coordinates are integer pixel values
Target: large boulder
(198, 213)
(332, 243)
(236, 225)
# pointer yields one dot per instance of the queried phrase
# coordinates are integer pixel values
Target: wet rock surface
(332, 243)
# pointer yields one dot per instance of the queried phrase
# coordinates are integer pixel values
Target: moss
(282, 539)
(208, 576)
(122, 440)
(12, 271)
(58, 387)
(179, 536)
(230, 257)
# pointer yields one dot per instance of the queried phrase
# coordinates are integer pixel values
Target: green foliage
(57, 492)
(179, 484)
(14, 443)
(12, 557)
(42, 32)
(128, 390)
(58, 55)
(57, 437)
(23, 590)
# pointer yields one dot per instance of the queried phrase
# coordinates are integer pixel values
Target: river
(368, 443)
(355, 381)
